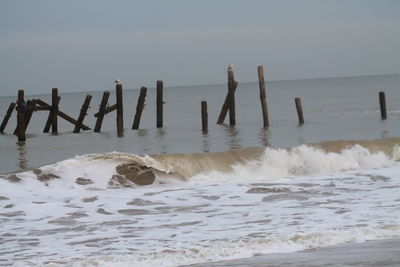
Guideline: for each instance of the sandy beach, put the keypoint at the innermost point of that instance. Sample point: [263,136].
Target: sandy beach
[372,253]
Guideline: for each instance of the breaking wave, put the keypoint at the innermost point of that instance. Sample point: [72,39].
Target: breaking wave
[252,164]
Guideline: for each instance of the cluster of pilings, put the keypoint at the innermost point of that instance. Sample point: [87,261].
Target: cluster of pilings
[26,109]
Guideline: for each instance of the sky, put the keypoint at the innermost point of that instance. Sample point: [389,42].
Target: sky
[83,45]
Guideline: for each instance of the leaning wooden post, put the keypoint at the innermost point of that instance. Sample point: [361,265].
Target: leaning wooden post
[139,108]
[204,116]
[382,103]
[225,107]
[7,117]
[299,109]
[103,106]
[54,110]
[120,110]
[82,114]
[231,91]
[160,103]
[21,116]
[263,97]
[49,118]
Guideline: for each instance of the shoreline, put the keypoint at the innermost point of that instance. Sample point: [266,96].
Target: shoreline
[385,252]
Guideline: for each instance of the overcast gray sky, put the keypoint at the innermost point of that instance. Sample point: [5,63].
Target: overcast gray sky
[81,45]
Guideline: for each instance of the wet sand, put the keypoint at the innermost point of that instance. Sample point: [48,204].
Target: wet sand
[372,253]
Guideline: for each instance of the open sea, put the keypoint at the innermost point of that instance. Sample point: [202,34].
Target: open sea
[177,196]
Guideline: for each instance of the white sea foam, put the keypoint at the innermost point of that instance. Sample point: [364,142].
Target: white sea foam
[280,201]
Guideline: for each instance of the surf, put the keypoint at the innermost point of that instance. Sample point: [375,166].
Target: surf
[114,169]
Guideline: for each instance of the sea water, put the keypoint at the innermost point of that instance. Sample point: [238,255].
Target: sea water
[230,193]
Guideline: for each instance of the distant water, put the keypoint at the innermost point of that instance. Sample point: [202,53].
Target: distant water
[70,199]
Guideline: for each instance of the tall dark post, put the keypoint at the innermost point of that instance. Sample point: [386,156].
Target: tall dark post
[299,109]
[263,97]
[204,116]
[29,108]
[382,103]
[82,114]
[139,108]
[120,110]
[54,110]
[21,116]
[160,104]
[7,117]
[231,92]
[103,106]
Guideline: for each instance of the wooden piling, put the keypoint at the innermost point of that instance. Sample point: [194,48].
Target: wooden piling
[82,114]
[139,108]
[101,113]
[120,110]
[66,117]
[50,117]
[263,97]
[7,117]
[204,116]
[299,109]
[231,91]
[160,103]
[225,107]
[29,108]
[382,103]
[54,110]
[107,110]
[21,116]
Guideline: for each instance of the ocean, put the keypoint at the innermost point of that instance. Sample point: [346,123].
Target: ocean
[177,196]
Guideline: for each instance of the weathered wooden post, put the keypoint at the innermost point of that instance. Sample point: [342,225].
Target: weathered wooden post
[44,106]
[382,103]
[29,108]
[160,103]
[21,116]
[82,114]
[231,91]
[299,109]
[7,117]
[103,106]
[120,110]
[225,107]
[204,116]
[54,110]
[50,117]
[139,108]
[263,97]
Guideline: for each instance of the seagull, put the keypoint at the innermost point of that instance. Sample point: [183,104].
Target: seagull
[117,81]
[230,68]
